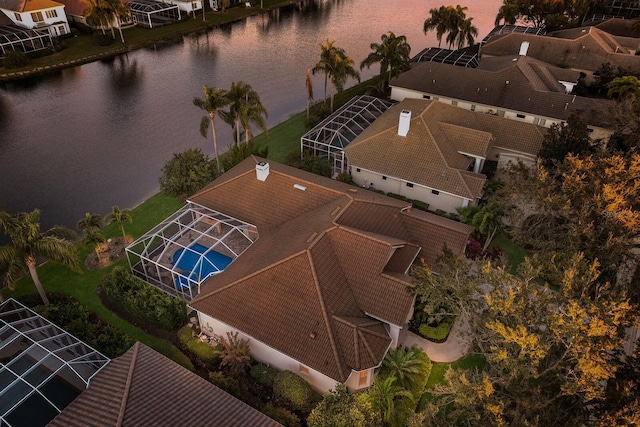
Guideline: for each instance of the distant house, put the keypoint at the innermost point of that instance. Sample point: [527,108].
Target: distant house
[582,49]
[517,87]
[144,388]
[43,15]
[433,152]
[312,271]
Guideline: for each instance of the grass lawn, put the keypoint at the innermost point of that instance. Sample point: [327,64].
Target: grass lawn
[470,361]
[82,286]
[513,253]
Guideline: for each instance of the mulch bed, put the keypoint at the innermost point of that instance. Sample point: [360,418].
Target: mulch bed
[110,252]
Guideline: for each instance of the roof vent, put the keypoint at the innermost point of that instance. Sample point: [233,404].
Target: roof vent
[262,171]
[405,120]
[299,187]
[524,47]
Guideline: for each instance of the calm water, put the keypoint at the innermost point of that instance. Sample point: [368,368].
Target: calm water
[91,137]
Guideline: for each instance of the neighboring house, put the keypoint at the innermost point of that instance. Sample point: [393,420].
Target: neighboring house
[44,15]
[516,87]
[75,10]
[189,6]
[144,388]
[582,49]
[319,280]
[433,152]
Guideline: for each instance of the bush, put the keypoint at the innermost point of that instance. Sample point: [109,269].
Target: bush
[317,165]
[15,59]
[228,384]
[263,374]
[102,39]
[143,301]
[186,173]
[345,177]
[76,319]
[439,332]
[294,390]
[201,350]
[317,113]
[418,204]
[281,415]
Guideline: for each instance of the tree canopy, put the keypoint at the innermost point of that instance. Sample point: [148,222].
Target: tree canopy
[186,172]
[452,21]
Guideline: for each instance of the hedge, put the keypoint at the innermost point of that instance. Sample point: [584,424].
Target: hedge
[437,333]
[294,391]
[143,301]
[281,415]
[201,350]
[418,204]
[263,374]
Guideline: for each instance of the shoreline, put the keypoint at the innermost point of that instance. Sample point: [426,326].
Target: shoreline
[10,76]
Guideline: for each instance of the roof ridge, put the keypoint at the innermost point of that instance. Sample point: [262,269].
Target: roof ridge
[127,387]
[368,235]
[366,344]
[323,310]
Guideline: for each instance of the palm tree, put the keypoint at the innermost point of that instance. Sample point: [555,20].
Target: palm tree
[382,397]
[28,242]
[440,21]
[96,14]
[118,9]
[214,101]
[393,54]
[327,53]
[625,86]
[407,366]
[465,34]
[309,91]
[245,107]
[95,237]
[120,216]
[487,220]
[507,12]
[342,69]
[89,222]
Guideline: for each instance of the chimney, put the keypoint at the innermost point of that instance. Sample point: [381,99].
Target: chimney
[405,120]
[262,171]
[524,47]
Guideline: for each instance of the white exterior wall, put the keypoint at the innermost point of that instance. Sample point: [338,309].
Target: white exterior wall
[444,201]
[353,382]
[57,25]
[268,355]
[398,94]
[186,6]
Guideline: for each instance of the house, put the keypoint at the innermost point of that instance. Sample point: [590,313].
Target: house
[582,49]
[144,388]
[44,15]
[434,152]
[517,87]
[316,275]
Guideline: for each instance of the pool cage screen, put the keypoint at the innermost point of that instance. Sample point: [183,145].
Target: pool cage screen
[151,14]
[21,39]
[190,246]
[327,139]
[42,367]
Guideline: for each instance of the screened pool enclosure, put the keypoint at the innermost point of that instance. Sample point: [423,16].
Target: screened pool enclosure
[42,367]
[190,246]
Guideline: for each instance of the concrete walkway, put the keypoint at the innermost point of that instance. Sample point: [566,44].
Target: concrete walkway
[456,346]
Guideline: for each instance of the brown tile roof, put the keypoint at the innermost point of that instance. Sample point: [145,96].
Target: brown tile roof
[75,7]
[430,154]
[583,48]
[144,388]
[28,5]
[479,86]
[620,27]
[307,286]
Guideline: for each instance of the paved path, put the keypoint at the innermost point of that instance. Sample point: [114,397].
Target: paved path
[456,346]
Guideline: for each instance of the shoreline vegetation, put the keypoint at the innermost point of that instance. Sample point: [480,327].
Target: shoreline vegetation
[82,49]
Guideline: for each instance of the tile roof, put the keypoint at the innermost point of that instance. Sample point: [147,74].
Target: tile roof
[430,154]
[75,7]
[583,48]
[324,267]
[516,88]
[144,388]
[28,5]
[621,27]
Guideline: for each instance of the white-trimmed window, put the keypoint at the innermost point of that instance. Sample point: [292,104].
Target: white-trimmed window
[37,16]
[363,378]
[410,184]
[52,13]
[521,116]
[454,103]
[435,192]
[500,113]
[18,16]
[473,107]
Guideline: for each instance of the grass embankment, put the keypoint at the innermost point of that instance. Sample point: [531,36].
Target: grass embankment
[82,48]
[82,286]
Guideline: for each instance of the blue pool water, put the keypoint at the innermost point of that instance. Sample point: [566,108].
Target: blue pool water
[198,262]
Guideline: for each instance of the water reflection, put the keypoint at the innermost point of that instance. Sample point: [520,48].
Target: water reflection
[126,74]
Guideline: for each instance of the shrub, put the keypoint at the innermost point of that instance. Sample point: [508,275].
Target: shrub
[294,390]
[102,39]
[228,384]
[281,415]
[201,350]
[317,165]
[143,301]
[418,204]
[186,172]
[439,332]
[76,319]
[15,59]
[263,374]
[345,177]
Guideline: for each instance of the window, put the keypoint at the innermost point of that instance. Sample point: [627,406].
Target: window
[61,30]
[435,98]
[436,192]
[520,116]
[454,103]
[304,370]
[590,130]
[36,16]
[18,17]
[52,13]
[473,107]
[500,113]
[543,122]
[384,178]
[409,184]
[363,378]
[357,169]
[426,97]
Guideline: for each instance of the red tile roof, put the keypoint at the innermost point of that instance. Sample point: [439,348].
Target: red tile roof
[324,267]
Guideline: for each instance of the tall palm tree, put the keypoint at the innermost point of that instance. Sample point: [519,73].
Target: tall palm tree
[118,10]
[309,91]
[508,12]
[440,21]
[623,87]
[465,34]
[342,69]
[214,101]
[245,108]
[327,53]
[89,222]
[95,237]
[120,216]
[28,242]
[383,395]
[393,54]
[97,14]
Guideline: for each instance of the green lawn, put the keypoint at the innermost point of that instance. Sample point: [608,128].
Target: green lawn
[513,253]
[470,361]
[82,286]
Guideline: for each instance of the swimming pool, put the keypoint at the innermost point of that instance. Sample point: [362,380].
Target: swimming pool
[199,262]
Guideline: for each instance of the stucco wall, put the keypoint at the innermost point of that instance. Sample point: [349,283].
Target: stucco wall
[61,26]
[268,355]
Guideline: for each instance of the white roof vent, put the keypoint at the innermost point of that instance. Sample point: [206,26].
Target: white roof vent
[404,123]
[524,47]
[299,187]
[262,171]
